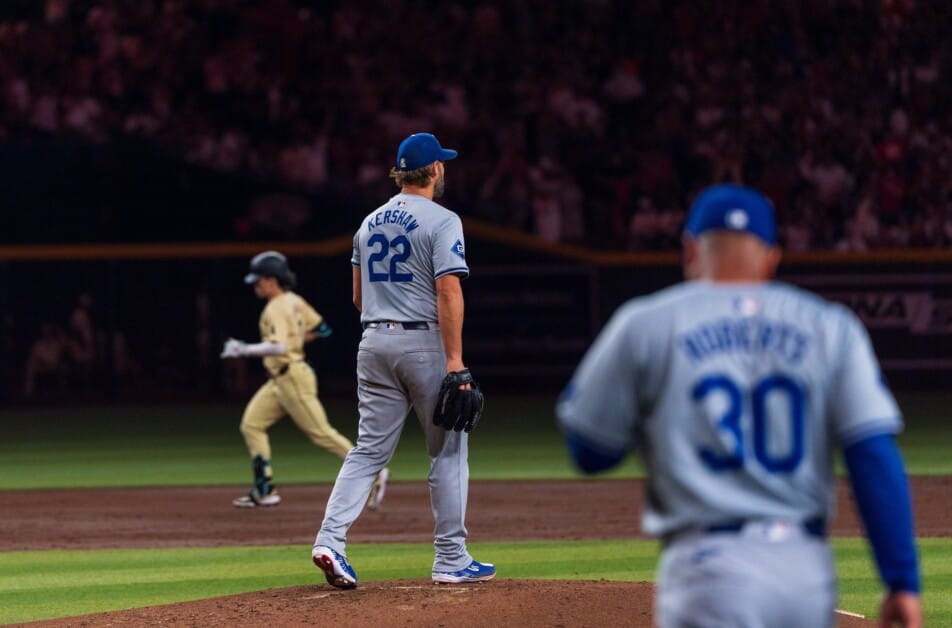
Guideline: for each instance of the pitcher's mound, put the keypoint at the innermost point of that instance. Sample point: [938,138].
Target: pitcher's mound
[411,603]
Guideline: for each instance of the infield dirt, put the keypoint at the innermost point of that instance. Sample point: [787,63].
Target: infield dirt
[498,511]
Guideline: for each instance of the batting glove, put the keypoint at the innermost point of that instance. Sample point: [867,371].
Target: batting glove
[233,349]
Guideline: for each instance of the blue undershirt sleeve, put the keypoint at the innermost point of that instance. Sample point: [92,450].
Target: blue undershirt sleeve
[878,478]
[588,457]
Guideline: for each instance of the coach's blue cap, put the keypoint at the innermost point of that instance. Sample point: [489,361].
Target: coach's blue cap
[421,149]
[729,207]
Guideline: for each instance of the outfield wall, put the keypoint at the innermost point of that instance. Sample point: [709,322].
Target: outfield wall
[532,309]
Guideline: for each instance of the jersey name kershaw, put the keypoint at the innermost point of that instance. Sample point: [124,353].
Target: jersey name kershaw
[748,335]
[399,217]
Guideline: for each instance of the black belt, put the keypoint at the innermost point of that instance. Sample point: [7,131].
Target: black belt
[408,325]
[284,369]
[813,527]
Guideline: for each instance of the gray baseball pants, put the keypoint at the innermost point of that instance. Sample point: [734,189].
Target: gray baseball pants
[755,578]
[398,369]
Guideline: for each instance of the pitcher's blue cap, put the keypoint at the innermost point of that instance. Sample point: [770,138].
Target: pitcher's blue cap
[730,207]
[421,149]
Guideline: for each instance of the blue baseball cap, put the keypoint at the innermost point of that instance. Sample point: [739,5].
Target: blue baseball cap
[421,149]
[730,207]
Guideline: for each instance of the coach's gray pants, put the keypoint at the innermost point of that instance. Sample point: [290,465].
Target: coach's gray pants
[397,369]
[747,579]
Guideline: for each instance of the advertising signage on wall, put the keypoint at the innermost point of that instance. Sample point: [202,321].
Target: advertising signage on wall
[537,320]
[526,321]
[909,316]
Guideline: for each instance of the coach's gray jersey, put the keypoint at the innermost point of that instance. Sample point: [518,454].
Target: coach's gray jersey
[763,382]
[401,248]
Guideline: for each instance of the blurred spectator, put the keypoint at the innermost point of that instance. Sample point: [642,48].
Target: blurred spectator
[46,369]
[127,369]
[81,343]
[205,362]
[644,227]
[81,328]
[504,194]
[797,235]
[831,180]
[819,102]
[947,222]
[9,372]
[556,203]
[863,229]
[624,85]
[279,215]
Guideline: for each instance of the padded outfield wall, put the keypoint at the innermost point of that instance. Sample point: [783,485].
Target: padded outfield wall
[532,308]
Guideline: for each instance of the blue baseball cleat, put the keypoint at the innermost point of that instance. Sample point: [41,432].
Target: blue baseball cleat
[336,569]
[475,572]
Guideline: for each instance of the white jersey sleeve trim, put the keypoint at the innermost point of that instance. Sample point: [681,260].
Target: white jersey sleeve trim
[862,432]
[462,270]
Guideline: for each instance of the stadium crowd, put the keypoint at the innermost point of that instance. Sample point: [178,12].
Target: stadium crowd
[588,122]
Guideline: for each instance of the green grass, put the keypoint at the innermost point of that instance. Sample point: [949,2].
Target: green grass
[927,440]
[859,588]
[200,445]
[57,583]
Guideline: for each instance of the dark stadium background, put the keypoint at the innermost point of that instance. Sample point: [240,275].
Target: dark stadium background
[584,130]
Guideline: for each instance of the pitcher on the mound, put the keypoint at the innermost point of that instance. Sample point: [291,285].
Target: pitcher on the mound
[408,260]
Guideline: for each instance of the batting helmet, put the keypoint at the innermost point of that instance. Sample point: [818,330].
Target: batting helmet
[270,264]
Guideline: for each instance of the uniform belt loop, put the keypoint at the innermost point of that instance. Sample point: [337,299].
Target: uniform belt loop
[416,325]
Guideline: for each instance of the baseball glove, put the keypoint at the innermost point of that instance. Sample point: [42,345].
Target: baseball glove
[458,409]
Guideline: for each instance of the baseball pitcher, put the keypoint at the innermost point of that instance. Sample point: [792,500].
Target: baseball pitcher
[287,322]
[736,391]
[408,259]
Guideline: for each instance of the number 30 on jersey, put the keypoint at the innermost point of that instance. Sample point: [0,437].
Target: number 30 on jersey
[763,421]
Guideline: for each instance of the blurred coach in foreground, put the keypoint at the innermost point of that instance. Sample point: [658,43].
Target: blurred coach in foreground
[736,390]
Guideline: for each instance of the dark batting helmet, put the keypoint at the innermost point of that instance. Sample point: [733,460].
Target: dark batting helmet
[270,264]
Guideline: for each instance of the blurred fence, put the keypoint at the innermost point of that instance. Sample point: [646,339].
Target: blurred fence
[146,322]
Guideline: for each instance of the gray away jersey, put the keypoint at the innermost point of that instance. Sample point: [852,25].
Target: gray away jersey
[736,396]
[401,248]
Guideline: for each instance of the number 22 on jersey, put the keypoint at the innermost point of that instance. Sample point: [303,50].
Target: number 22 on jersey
[765,417]
[377,266]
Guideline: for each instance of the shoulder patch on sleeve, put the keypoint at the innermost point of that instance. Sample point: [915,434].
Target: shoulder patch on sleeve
[458,249]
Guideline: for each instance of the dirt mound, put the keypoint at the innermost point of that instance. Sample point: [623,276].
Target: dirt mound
[410,603]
